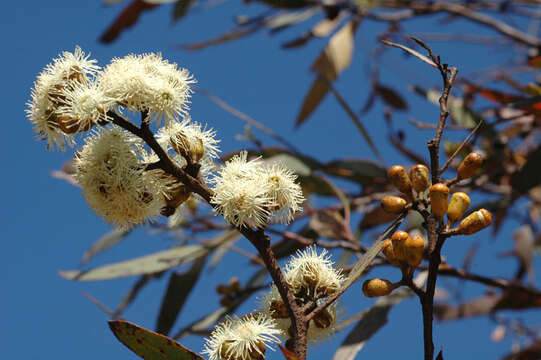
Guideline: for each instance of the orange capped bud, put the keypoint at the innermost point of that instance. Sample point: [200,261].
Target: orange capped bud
[439,198]
[469,165]
[474,222]
[400,179]
[393,204]
[419,177]
[414,250]
[377,287]
[458,206]
[398,239]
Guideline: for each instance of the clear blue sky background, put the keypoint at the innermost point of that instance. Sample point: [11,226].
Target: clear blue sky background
[47,225]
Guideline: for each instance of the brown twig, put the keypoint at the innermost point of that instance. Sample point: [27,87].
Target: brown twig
[257,237]
[460,147]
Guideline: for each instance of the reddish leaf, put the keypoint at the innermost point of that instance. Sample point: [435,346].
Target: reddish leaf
[148,344]
[494,95]
[288,354]
[127,18]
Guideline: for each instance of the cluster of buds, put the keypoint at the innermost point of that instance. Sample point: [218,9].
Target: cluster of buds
[418,180]
[229,292]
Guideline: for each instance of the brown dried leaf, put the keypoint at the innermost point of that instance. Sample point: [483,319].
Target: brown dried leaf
[334,59]
[329,224]
[126,19]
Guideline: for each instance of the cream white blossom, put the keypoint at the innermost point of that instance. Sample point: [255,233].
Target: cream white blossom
[240,193]
[313,274]
[320,328]
[48,94]
[114,181]
[148,83]
[188,138]
[243,338]
[284,192]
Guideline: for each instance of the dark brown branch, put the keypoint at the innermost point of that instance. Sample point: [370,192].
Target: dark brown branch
[257,237]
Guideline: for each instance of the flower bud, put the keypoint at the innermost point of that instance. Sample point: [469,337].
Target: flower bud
[399,249]
[419,177]
[469,165]
[439,199]
[234,284]
[458,206]
[400,179]
[324,319]
[178,196]
[222,289]
[414,250]
[377,287]
[393,204]
[278,310]
[474,222]
[387,249]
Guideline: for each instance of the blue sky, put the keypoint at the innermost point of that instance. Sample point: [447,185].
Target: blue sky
[47,225]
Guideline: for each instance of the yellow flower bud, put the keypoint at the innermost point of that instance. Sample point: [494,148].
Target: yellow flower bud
[474,222]
[469,165]
[377,287]
[400,179]
[414,250]
[439,199]
[458,206]
[393,204]
[398,239]
[419,177]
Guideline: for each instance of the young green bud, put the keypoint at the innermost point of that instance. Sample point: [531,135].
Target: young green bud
[393,204]
[377,287]
[469,165]
[439,199]
[474,222]
[400,179]
[414,250]
[458,206]
[419,177]
[399,249]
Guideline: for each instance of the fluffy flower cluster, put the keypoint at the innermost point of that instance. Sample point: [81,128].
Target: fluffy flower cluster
[148,83]
[66,100]
[242,338]
[311,277]
[250,193]
[114,181]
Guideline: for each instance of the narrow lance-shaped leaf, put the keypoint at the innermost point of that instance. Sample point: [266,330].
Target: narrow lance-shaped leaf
[178,290]
[148,264]
[371,320]
[181,8]
[105,242]
[150,345]
[334,59]
[126,19]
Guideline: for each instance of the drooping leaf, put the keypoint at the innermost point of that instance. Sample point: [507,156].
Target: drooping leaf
[334,59]
[391,97]
[370,321]
[178,290]
[291,162]
[150,345]
[148,264]
[126,19]
[329,224]
[134,291]
[411,52]
[233,34]
[181,8]
[217,255]
[288,355]
[361,171]
[529,175]
[524,241]
[371,253]
[105,242]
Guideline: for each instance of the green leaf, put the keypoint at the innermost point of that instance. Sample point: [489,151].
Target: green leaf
[371,253]
[150,345]
[529,175]
[108,240]
[181,8]
[148,264]
[370,321]
[291,162]
[180,286]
